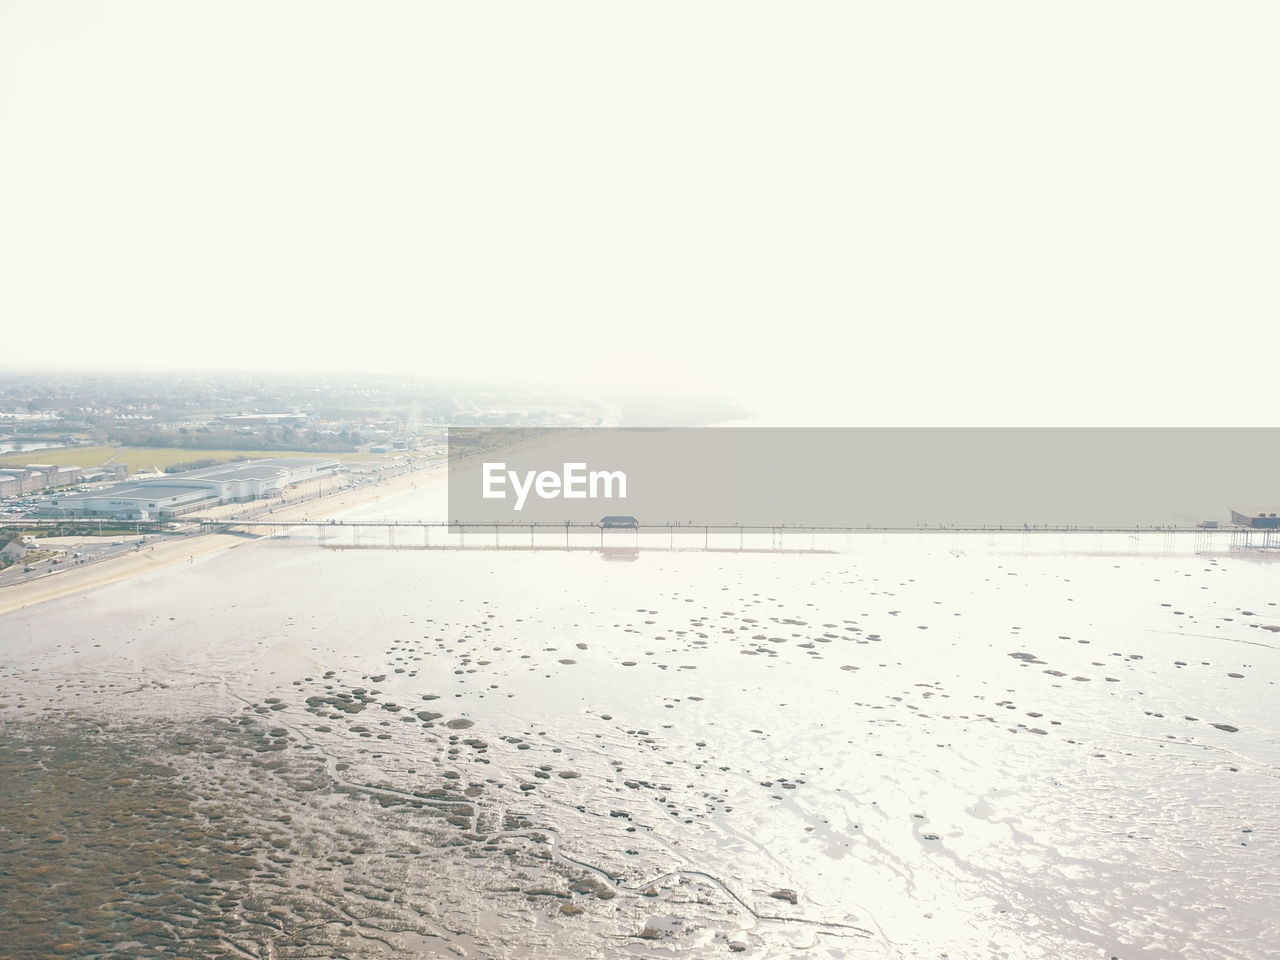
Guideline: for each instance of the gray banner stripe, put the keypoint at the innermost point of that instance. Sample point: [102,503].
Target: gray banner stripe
[1120,477]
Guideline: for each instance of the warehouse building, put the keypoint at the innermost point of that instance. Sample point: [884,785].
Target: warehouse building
[255,479]
[174,494]
[136,501]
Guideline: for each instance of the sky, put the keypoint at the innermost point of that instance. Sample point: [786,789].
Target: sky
[994,213]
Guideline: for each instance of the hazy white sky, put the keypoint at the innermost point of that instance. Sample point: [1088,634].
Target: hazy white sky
[845,212]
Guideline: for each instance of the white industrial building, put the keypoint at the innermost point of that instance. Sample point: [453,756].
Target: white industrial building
[137,501]
[177,493]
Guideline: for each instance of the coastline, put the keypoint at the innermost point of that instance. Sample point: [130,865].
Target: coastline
[75,580]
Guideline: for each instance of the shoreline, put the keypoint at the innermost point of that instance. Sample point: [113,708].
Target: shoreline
[102,573]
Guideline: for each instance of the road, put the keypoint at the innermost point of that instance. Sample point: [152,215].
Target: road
[162,552]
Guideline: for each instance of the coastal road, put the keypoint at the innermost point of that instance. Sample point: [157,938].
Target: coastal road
[71,580]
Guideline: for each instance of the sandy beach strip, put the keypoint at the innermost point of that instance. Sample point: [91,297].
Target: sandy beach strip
[74,580]
[113,570]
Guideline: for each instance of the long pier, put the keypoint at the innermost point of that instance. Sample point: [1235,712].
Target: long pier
[444,534]
[582,526]
[621,542]
[462,526]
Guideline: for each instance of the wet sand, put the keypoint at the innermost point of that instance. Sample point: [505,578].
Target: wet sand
[77,580]
[74,580]
[902,751]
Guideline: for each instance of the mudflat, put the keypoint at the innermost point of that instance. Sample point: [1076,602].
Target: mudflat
[977,746]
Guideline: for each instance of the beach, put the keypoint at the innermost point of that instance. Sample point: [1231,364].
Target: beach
[192,546]
[905,747]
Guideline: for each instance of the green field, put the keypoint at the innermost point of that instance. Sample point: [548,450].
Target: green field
[159,458]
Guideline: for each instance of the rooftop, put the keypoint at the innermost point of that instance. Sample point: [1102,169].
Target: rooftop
[141,491]
[253,469]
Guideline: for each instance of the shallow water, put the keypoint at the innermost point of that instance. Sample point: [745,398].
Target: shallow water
[21,446]
[919,746]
